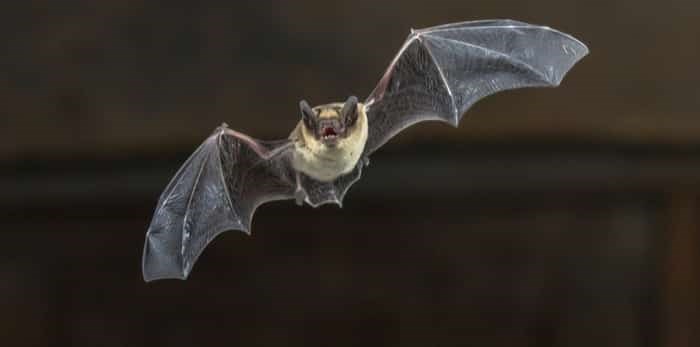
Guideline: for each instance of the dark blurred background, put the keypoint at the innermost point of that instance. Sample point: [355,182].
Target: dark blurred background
[551,217]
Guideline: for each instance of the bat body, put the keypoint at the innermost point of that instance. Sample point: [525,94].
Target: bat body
[438,74]
[320,161]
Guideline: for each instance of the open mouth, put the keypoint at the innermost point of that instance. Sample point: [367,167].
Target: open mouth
[329,133]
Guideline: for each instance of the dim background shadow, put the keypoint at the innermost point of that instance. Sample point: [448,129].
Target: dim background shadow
[550,217]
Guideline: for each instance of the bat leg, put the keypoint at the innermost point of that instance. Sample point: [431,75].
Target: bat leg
[299,193]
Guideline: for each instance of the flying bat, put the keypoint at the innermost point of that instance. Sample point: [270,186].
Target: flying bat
[438,74]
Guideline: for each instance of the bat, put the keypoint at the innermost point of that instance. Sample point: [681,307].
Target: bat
[438,74]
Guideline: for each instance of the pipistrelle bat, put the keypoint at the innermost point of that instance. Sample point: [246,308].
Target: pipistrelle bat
[438,74]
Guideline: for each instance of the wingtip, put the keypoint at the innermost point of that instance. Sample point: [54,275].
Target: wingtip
[157,266]
[151,276]
[148,279]
[578,54]
[586,50]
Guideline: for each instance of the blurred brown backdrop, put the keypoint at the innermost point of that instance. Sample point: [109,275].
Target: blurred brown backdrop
[551,217]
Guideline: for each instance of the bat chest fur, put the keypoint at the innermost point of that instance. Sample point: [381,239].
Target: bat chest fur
[326,165]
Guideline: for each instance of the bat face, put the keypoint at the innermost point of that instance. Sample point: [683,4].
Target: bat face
[330,123]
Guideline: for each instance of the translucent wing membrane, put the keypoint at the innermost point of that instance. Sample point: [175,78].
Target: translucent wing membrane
[440,72]
[320,193]
[217,189]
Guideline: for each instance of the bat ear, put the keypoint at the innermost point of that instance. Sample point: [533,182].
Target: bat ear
[307,114]
[349,111]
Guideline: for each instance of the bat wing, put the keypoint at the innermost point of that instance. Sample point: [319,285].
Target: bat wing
[440,72]
[217,189]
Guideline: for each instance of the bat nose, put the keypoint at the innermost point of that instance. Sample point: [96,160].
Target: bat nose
[329,123]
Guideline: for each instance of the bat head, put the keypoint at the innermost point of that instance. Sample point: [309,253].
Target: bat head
[330,123]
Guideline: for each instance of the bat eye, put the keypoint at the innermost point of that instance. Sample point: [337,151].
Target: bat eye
[307,114]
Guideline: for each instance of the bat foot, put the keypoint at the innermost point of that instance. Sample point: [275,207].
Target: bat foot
[365,161]
[299,196]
